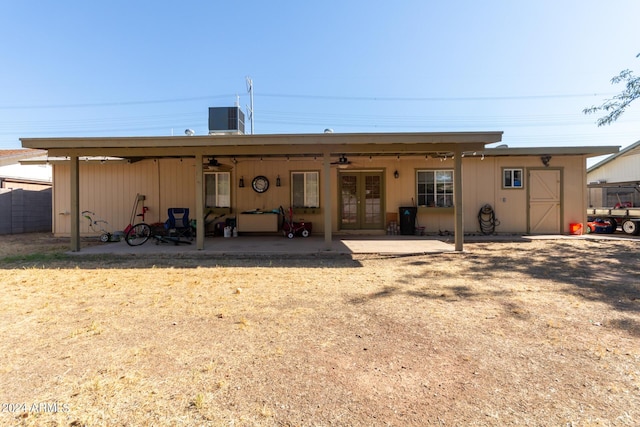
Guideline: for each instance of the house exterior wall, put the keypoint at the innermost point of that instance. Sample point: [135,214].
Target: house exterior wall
[574,190]
[482,184]
[110,189]
[245,199]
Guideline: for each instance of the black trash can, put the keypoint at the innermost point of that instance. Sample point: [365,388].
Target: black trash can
[408,220]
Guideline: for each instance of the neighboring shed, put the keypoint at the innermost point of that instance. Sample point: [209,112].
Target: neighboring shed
[25,192]
[616,179]
[16,171]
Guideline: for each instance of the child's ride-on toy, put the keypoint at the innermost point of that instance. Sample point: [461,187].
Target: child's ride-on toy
[291,228]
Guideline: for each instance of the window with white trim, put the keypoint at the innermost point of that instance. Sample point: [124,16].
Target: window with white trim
[305,189]
[217,187]
[512,178]
[435,188]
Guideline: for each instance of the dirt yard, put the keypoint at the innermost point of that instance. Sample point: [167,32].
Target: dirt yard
[545,333]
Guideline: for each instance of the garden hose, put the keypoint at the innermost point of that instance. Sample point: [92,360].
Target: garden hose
[487,219]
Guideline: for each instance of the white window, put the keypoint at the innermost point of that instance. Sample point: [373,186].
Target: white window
[435,188]
[305,189]
[512,178]
[217,187]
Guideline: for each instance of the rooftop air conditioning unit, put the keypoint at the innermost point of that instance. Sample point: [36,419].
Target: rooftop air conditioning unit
[226,120]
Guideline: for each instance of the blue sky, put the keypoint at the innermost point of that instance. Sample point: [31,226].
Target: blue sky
[80,68]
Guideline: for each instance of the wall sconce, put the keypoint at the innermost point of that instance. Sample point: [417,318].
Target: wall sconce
[241,183]
[396,175]
[278,182]
[545,160]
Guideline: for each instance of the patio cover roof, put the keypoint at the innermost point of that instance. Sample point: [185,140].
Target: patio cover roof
[322,145]
[266,144]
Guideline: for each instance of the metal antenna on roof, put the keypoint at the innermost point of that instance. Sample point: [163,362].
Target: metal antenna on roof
[250,108]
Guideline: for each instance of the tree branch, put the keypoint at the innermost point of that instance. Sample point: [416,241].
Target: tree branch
[615,106]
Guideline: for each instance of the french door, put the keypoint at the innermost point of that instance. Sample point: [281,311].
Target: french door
[361,200]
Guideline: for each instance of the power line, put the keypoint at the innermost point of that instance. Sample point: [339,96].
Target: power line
[527,120]
[299,118]
[111,104]
[164,123]
[307,96]
[433,99]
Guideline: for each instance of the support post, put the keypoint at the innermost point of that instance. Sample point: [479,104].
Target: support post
[74,186]
[457,194]
[199,204]
[328,208]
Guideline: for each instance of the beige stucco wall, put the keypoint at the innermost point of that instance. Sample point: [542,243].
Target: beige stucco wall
[575,190]
[483,184]
[110,189]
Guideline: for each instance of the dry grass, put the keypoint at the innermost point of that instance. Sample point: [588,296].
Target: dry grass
[541,333]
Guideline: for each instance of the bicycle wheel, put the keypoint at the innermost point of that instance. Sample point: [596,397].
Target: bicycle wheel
[138,234]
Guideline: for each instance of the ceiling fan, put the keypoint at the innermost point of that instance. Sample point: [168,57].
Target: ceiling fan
[214,165]
[342,161]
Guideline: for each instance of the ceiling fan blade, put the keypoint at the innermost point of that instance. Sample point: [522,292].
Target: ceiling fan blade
[217,168]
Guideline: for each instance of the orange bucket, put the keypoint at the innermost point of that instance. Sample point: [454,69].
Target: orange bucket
[575,229]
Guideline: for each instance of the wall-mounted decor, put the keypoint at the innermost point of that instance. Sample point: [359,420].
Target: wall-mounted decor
[260,184]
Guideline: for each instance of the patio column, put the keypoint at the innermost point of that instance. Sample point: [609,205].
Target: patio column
[326,171]
[457,194]
[74,186]
[199,217]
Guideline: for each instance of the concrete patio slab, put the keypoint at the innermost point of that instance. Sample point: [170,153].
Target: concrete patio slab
[315,245]
[272,245]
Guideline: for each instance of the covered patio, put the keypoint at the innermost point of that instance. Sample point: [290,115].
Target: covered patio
[326,146]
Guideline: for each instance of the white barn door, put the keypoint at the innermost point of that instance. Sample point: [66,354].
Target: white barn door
[544,201]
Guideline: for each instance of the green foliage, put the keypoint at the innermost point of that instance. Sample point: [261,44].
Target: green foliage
[32,259]
[615,106]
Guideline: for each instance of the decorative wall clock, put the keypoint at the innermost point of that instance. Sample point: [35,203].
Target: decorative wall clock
[260,184]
